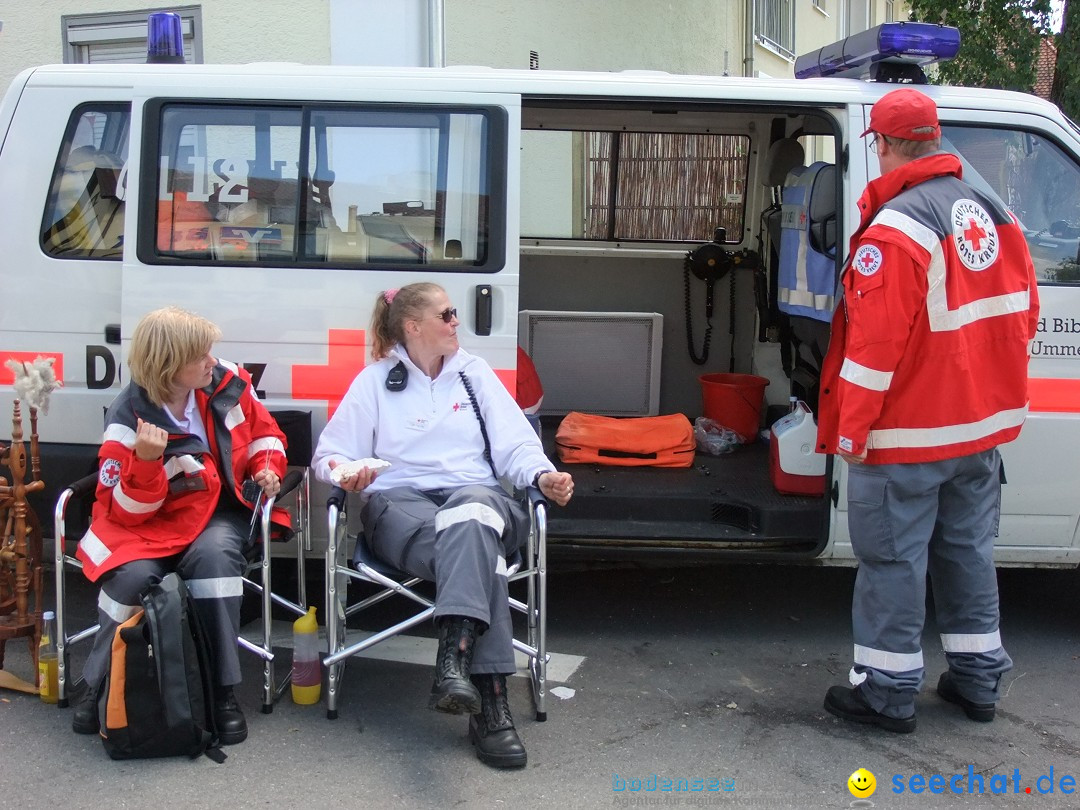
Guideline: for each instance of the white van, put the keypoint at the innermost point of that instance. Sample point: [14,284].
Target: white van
[564,212]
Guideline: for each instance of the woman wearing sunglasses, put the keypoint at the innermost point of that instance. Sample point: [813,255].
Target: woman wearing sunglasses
[449,430]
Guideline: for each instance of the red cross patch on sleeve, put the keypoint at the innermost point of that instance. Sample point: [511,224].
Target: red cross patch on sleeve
[110,472]
[868,260]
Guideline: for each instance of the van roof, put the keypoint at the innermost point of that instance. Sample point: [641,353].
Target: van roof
[289,81]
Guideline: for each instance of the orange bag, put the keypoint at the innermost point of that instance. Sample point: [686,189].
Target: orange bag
[647,441]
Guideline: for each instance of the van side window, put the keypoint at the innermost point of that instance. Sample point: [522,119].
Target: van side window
[673,187]
[84,215]
[299,184]
[1038,182]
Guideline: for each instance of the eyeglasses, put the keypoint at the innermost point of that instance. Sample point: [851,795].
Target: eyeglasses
[873,143]
[447,314]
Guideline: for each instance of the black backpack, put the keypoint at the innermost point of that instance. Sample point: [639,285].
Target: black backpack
[158,696]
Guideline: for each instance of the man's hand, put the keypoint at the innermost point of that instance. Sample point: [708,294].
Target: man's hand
[850,458]
[150,441]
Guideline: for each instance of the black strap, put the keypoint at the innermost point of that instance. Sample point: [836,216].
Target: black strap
[479,418]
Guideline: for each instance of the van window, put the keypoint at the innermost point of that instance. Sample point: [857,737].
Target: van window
[346,186]
[84,214]
[1037,181]
[672,187]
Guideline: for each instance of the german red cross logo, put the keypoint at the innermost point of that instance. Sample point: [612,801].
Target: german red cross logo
[867,260]
[110,472]
[974,235]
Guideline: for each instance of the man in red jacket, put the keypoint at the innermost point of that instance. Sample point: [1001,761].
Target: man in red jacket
[925,376]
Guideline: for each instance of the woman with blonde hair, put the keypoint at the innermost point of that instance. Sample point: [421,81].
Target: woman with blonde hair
[449,430]
[180,440]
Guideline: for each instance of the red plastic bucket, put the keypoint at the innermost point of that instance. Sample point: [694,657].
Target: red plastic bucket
[734,400]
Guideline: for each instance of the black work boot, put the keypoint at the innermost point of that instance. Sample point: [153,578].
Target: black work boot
[492,730]
[979,712]
[849,704]
[86,719]
[230,722]
[452,691]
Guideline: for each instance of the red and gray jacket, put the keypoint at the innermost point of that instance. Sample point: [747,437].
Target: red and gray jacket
[929,352]
[150,509]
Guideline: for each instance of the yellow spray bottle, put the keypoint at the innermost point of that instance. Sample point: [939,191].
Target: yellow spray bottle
[306,667]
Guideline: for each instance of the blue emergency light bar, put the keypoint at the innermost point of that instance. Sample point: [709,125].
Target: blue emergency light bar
[889,51]
[164,39]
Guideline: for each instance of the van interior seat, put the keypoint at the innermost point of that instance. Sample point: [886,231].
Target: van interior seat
[784,156]
[810,333]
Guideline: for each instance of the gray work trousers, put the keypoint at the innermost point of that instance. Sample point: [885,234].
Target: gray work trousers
[906,520]
[460,539]
[211,567]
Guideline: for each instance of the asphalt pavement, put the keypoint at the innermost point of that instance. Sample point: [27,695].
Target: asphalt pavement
[706,681]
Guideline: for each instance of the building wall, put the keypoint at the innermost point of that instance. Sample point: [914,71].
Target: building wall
[678,36]
[234,31]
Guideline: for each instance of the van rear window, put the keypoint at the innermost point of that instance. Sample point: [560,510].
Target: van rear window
[334,185]
[84,215]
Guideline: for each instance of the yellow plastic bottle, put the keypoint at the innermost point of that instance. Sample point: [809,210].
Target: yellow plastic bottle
[306,666]
[48,662]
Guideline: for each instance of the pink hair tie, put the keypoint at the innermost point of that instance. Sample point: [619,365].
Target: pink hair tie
[388,296]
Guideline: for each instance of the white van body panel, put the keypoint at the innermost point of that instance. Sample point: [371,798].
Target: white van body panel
[287,320]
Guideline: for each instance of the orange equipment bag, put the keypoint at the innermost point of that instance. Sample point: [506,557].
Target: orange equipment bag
[647,441]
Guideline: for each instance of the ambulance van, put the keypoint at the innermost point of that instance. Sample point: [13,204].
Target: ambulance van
[630,231]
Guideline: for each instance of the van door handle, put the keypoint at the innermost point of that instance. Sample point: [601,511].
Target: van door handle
[483,309]
[112,334]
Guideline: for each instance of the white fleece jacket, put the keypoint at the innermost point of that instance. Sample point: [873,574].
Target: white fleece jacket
[428,432]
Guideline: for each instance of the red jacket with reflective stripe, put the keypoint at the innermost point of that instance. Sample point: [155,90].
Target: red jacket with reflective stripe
[151,509]
[928,356]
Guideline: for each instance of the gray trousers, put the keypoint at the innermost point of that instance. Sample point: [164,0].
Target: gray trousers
[212,567]
[459,539]
[906,520]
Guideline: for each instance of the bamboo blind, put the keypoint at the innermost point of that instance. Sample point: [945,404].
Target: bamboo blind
[671,187]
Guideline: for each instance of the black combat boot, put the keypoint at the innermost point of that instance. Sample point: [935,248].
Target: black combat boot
[86,720]
[491,730]
[452,691]
[230,722]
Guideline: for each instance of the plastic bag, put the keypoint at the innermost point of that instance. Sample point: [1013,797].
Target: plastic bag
[713,438]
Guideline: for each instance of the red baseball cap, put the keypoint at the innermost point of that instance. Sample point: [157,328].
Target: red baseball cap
[901,113]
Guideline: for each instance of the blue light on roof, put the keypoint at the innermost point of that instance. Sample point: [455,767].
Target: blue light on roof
[862,55]
[164,38]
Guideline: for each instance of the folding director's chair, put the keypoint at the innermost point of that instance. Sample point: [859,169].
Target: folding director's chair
[532,567]
[296,481]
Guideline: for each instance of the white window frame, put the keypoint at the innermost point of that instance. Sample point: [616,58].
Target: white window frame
[82,33]
[774,26]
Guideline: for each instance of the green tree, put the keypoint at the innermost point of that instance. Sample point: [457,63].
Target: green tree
[999,40]
[1066,89]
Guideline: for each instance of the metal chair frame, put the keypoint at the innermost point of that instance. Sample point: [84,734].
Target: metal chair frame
[533,569]
[298,480]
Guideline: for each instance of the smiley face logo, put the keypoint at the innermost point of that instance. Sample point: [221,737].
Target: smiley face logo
[862,784]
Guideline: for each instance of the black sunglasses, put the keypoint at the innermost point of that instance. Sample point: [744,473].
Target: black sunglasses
[447,314]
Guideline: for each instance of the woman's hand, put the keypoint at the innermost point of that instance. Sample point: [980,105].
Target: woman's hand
[557,486]
[268,480]
[355,482]
[150,441]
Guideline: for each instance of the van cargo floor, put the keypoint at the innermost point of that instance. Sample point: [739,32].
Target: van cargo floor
[721,502]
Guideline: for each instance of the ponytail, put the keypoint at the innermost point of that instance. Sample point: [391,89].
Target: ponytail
[392,309]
